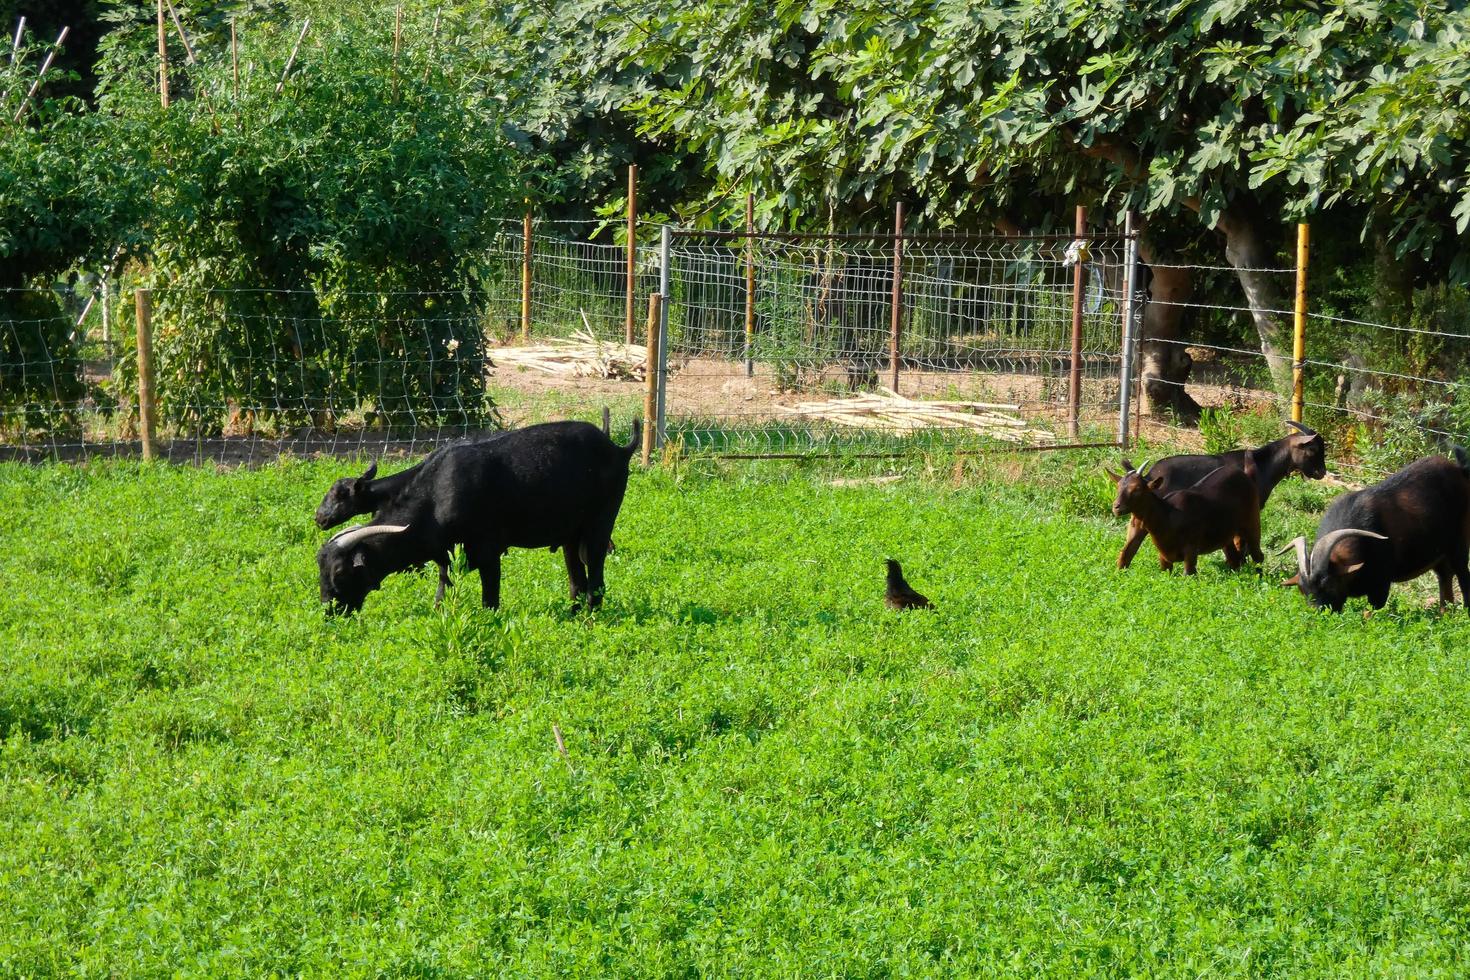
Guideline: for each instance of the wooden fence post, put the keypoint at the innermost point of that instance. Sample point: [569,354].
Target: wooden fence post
[1074,381]
[650,372]
[1299,341]
[749,284]
[526,277]
[895,326]
[147,406]
[632,250]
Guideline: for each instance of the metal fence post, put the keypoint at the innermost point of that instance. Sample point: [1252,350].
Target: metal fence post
[1074,380]
[749,284]
[1130,279]
[632,247]
[895,327]
[665,243]
[1299,340]
[650,380]
[526,276]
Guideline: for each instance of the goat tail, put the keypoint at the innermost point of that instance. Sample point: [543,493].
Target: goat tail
[1462,458]
[635,439]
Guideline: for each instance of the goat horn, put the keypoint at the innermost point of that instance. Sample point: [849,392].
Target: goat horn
[344,538]
[1300,428]
[1303,563]
[1323,548]
[1142,470]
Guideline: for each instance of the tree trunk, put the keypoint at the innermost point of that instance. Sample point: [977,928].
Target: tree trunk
[1247,250]
[1165,364]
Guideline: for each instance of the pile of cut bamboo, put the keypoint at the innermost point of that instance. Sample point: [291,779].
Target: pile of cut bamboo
[889,410]
[581,356]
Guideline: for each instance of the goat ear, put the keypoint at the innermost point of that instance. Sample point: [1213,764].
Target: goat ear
[1294,580]
[1116,478]
[1127,465]
[359,560]
[1156,484]
[1352,568]
[370,472]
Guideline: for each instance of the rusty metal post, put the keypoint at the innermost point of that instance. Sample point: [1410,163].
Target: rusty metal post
[526,276]
[650,376]
[147,404]
[895,327]
[749,284]
[1299,341]
[1074,381]
[632,250]
[162,59]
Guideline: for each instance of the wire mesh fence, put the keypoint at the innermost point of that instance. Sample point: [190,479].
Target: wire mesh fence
[1383,394]
[775,345]
[244,375]
[801,343]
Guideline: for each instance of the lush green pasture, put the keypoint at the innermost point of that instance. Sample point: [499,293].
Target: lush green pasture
[1065,769]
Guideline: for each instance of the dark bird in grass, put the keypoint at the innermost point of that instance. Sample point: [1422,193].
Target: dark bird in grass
[899,594]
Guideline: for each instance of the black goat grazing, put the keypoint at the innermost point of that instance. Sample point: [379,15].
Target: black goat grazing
[1414,521]
[899,594]
[1301,452]
[555,484]
[1221,512]
[354,495]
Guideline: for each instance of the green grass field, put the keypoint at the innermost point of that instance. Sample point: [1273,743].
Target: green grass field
[1066,769]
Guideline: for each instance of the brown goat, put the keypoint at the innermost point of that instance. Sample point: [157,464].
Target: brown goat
[1221,512]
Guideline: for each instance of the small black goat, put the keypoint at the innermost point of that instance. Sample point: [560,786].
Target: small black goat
[350,496]
[1220,512]
[1414,521]
[559,484]
[1301,452]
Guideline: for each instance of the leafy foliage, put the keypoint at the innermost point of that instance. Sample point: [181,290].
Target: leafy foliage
[335,221]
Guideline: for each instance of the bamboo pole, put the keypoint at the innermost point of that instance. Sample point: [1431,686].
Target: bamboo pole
[20,29]
[281,85]
[749,284]
[632,249]
[433,44]
[1074,380]
[1299,340]
[147,407]
[397,42]
[650,376]
[526,276]
[162,59]
[235,58]
[188,48]
[41,75]
[895,325]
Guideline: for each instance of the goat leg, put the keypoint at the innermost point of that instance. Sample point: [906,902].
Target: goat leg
[1446,587]
[576,572]
[1136,533]
[490,580]
[444,581]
